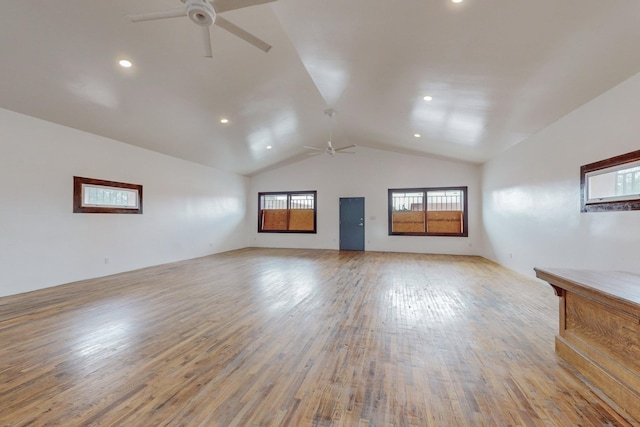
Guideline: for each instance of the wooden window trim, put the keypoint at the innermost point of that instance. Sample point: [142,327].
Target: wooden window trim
[77,196]
[608,206]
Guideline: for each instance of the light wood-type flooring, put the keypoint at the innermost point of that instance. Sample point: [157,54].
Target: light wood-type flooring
[278,337]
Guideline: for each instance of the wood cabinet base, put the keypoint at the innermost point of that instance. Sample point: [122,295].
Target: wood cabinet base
[599,332]
[609,388]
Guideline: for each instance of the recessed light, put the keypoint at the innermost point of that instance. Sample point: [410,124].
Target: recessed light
[417,135]
[269,147]
[456,1]
[125,63]
[427,98]
[224,121]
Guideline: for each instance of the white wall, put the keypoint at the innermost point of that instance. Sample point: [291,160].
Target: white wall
[369,173]
[525,213]
[189,210]
[531,193]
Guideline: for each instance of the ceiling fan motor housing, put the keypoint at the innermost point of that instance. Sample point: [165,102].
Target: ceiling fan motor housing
[201,12]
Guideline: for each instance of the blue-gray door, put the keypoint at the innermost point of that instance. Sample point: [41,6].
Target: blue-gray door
[352,224]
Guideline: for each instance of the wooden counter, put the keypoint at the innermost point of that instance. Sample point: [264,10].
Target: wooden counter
[599,331]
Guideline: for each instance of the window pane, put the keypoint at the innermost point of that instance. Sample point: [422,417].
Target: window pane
[408,201]
[301,220]
[274,219]
[302,201]
[450,200]
[408,222]
[103,196]
[613,184]
[274,201]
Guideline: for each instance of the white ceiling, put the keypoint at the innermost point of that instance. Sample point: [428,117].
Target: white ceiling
[498,71]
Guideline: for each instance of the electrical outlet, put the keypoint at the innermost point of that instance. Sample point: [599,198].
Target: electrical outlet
[106,260]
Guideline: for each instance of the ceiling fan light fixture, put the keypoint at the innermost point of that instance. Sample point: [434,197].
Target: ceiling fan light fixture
[201,12]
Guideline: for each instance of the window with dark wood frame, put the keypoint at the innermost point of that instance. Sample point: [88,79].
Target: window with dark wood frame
[611,185]
[100,196]
[287,212]
[432,211]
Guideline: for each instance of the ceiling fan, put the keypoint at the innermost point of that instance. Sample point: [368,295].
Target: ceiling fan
[205,14]
[329,150]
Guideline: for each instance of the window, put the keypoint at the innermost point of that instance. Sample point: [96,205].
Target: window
[100,196]
[612,184]
[428,211]
[287,212]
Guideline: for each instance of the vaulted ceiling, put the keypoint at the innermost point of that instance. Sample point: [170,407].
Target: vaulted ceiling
[497,71]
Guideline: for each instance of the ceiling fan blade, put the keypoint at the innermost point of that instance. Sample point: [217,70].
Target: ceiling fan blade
[237,31]
[226,5]
[163,14]
[206,40]
[345,148]
[345,152]
[314,148]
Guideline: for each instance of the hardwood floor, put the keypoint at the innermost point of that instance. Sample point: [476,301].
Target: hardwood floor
[268,337]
